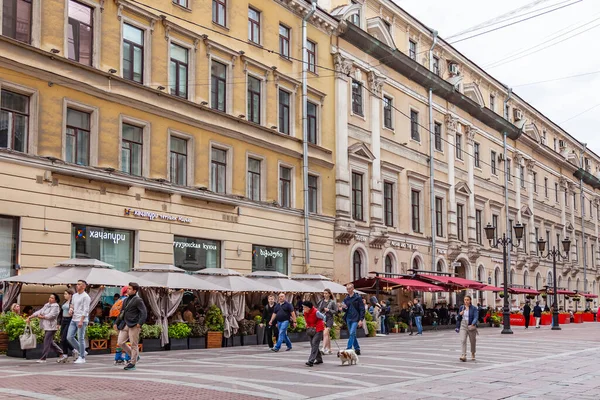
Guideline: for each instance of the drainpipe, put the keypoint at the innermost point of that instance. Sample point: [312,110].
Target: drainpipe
[508,227]
[431,158]
[305,136]
[581,207]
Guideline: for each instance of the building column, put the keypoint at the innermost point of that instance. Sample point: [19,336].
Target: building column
[530,164]
[572,210]
[518,159]
[451,126]
[375,85]
[471,234]
[594,257]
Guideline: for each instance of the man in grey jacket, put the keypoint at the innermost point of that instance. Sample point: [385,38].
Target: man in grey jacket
[132,317]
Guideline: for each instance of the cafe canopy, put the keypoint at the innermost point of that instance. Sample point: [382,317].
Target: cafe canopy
[280,281]
[517,290]
[451,282]
[489,288]
[319,283]
[172,277]
[589,295]
[387,283]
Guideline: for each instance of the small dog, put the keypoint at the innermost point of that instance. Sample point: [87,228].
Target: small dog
[348,356]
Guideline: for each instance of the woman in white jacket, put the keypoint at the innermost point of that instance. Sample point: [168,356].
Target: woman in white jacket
[48,323]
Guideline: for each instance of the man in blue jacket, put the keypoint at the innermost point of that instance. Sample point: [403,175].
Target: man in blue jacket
[355,314]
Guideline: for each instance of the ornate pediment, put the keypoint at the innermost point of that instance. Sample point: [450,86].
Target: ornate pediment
[569,227]
[462,188]
[361,150]
[526,211]
[377,28]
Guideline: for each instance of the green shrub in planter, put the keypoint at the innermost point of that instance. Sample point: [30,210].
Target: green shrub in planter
[392,321]
[98,331]
[179,330]
[197,329]
[150,331]
[403,325]
[300,325]
[214,319]
[339,321]
[246,327]
[14,326]
[368,317]
[372,328]
[258,320]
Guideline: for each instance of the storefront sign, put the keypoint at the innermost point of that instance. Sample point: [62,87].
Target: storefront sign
[195,254]
[204,246]
[266,258]
[270,253]
[151,215]
[403,245]
[115,237]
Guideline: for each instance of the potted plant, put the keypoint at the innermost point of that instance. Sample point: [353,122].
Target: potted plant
[178,336]
[372,328]
[98,335]
[197,339]
[339,325]
[260,330]
[360,332]
[214,325]
[14,326]
[150,335]
[248,332]
[3,334]
[501,294]
[403,327]
[544,295]
[495,320]
[298,334]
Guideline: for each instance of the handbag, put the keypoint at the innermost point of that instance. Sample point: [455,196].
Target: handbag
[28,339]
[311,331]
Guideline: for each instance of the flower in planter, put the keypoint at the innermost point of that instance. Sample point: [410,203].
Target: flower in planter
[214,319]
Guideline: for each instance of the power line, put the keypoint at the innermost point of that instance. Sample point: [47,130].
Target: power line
[557,79]
[581,113]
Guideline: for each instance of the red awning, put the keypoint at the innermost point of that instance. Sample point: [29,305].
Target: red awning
[589,295]
[491,289]
[559,291]
[413,284]
[523,291]
[452,281]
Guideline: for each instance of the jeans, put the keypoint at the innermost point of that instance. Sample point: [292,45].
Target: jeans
[419,325]
[352,342]
[315,354]
[131,334]
[283,327]
[78,344]
[64,330]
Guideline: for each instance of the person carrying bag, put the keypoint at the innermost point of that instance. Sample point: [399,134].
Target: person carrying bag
[28,339]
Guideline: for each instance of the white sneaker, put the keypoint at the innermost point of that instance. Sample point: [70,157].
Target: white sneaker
[62,358]
[41,361]
[80,361]
[75,354]
[86,353]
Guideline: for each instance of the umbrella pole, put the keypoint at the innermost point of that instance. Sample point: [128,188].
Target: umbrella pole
[377,285]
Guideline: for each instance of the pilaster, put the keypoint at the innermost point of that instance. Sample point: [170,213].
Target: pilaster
[375,85]
[451,126]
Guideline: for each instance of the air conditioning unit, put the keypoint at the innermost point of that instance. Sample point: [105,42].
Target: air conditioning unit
[518,114]
[453,69]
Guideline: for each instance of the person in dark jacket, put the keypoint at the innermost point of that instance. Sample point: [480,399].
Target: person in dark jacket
[537,314]
[355,314]
[130,321]
[527,314]
[466,325]
[271,330]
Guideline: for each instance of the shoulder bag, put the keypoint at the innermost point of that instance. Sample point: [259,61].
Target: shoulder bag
[28,339]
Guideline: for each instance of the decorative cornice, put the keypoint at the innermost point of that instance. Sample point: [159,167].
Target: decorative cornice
[451,123]
[342,66]
[375,83]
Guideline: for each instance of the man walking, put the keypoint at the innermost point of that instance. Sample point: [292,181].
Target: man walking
[79,311]
[129,322]
[355,313]
[526,314]
[537,314]
[418,312]
[267,314]
[283,313]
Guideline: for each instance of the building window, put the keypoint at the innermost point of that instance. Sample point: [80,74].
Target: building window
[311,50]
[416,210]
[133,53]
[218,170]
[556,192]
[460,222]
[574,201]
[437,132]
[284,112]
[357,196]
[178,74]
[458,147]
[389,264]
[493,162]
[219,12]
[508,173]
[285,186]
[388,203]
[566,198]
[132,149]
[576,250]
[284,41]
[313,193]
[254,93]
[78,137]
[357,265]
[218,86]
[522,175]
[546,187]
[387,112]
[357,102]
[182,3]
[555,144]
[478,214]
[436,65]
[311,115]
[476,154]
[593,257]
[439,216]
[80,33]
[412,49]
[253,25]
[193,254]
[16,20]
[267,258]
[495,225]
[178,161]
[537,251]
[14,121]
[548,240]
[113,246]
[254,167]
[535,182]
[9,245]
[492,102]
[414,126]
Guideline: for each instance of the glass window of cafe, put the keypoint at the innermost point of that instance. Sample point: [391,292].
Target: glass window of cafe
[266,258]
[113,246]
[194,254]
[9,241]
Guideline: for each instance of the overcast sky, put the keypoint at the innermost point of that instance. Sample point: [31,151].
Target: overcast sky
[559,100]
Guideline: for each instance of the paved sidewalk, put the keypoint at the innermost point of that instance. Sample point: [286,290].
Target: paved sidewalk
[531,364]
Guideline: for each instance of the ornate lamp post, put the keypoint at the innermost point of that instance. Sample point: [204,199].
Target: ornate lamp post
[504,242]
[554,254]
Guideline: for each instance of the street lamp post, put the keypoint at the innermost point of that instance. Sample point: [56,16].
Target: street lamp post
[554,253]
[504,242]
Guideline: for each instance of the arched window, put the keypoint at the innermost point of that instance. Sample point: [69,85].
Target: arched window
[440,266]
[550,280]
[559,283]
[586,286]
[512,276]
[357,265]
[389,264]
[416,263]
[569,283]
[578,285]
[497,277]
[525,278]
[538,281]
[480,274]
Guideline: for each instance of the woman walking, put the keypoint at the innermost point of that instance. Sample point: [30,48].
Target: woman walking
[466,325]
[65,321]
[328,307]
[48,315]
[314,329]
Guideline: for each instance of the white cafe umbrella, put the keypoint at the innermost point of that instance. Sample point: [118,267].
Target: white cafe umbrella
[171,277]
[233,281]
[282,282]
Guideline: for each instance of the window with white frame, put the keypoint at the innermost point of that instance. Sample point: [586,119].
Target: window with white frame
[253,25]
[284,111]
[357,98]
[284,41]
[178,160]
[14,120]
[412,49]
[387,112]
[476,154]
[219,12]
[78,137]
[182,3]
[388,203]
[458,146]
[218,86]
[415,201]
[437,131]
[493,163]
[17,20]
[254,178]
[80,32]
[357,196]
[132,145]
[311,115]
[414,126]
[436,65]
[133,53]
[313,193]
[439,216]
[311,50]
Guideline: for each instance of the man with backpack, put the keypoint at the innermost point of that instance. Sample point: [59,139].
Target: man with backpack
[355,314]
[418,313]
[129,323]
[115,310]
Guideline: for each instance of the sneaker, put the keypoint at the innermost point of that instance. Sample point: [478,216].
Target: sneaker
[329,352]
[80,361]
[119,362]
[86,353]
[274,349]
[463,359]
[62,359]
[41,361]
[75,354]
[357,352]
[310,364]
[419,334]
[318,362]
[410,334]
[129,367]
[288,349]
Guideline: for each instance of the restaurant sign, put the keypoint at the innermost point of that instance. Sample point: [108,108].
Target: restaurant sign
[403,245]
[151,215]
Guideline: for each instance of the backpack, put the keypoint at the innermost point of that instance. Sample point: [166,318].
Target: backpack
[115,310]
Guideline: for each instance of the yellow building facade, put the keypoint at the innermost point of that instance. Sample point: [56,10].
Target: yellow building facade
[164,132]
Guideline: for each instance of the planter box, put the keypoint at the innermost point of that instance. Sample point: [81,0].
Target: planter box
[197,343]
[578,318]
[546,320]
[99,346]
[232,341]
[588,317]
[14,349]
[113,343]
[249,340]
[296,337]
[214,340]
[564,319]
[517,320]
[150,345]
[3,342]
[360,333]
[394,330]
[260,334]
[178,344]
[36,354]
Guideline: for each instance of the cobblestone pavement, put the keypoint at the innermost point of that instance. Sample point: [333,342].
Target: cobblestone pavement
[531,364]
